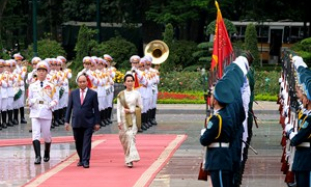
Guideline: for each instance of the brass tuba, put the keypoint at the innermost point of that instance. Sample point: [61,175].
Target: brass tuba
[158,50]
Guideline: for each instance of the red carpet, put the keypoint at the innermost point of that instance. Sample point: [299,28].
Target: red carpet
[107,164]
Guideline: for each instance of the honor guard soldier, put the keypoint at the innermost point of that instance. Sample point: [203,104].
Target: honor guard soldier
[67,74]
[3,86]
[300,136]
[101,91]
[11,83]
[21,71]
[153,74]
[217,137]
[42,98]
[139,80]
[32,76]
[111,72]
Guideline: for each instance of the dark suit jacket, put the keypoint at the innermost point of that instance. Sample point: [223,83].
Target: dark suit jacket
[85,115]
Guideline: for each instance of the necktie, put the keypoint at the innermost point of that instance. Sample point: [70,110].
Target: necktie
[82,96]
[41,84]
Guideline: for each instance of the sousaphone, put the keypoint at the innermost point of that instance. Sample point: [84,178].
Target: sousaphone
[158,50]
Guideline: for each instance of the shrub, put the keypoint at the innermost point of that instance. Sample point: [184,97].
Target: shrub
[303,48]
[46,49]
[251,43]
[181,54]
[180,82]
[119,48]
[84,45]
[267,82]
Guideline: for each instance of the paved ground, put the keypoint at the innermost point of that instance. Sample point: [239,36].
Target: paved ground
[16,163]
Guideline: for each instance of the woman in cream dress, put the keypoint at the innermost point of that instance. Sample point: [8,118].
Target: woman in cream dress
[127,102]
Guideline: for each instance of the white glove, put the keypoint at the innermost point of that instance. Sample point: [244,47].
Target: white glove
[52,105]
[292,135]
[32,101]
[202,131]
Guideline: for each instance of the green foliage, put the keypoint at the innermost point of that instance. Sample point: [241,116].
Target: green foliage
[46,49]
[168,39]
[229,25]
[303,48]
[181,54]
[267,82]
[4,55]
[85,43]
[175,12]
[251,43]
[204,54]
[119,48]
[266,97]
[180,81]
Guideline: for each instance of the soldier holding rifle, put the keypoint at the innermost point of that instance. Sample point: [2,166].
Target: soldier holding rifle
[299,133]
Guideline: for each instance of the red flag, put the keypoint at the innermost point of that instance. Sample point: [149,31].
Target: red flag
[222,48]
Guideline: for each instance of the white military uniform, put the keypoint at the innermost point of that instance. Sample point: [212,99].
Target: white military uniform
[42,98]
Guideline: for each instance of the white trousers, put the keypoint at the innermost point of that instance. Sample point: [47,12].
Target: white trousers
[41,125]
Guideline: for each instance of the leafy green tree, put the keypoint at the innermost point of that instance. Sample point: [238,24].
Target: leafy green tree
[251,43]
[46,49]
[303,48]
[203,54]
[85,43]
[119,48]
[229,25]
[168,37]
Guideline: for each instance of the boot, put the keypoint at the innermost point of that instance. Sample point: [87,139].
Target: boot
[46,157]
[10,123]
[143,122]
[102,118]
[109,115]
[15,119]
[106,114]
[37,148]
[59,116]
[153,116]
[55,114]
[64,114]
[22,112]
[52,125]
[4,124]
[149,118]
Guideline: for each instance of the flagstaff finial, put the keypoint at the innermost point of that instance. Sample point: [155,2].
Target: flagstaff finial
[217,6]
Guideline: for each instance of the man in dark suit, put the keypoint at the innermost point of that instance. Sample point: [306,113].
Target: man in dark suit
[83,104]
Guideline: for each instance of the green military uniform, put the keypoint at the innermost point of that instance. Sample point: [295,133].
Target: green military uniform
[217,137]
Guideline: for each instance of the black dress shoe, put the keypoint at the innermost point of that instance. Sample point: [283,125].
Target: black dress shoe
[79,164]
[86,165]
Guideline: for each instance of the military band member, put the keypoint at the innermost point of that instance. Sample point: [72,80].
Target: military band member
[67,74]
[42,98]
[11,81]
[101,91]
[3,85]
[111,72]
[21,71]
[218,136]
[154,75]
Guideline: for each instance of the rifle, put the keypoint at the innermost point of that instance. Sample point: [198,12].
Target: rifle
[290,74]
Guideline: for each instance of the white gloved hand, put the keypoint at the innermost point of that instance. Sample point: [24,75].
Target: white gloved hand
[292,135]
[32,102]
[202,131]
